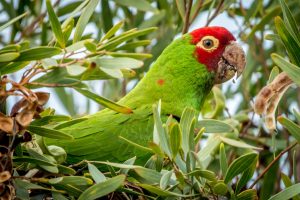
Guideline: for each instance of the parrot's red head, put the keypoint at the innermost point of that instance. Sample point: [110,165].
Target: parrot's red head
[217,50]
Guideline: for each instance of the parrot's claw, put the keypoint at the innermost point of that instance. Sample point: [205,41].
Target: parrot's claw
[232,62]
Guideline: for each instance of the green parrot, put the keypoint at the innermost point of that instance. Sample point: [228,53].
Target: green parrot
[182,76]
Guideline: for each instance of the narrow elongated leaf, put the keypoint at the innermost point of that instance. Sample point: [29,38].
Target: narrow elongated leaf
[72,180]
[287,193]
[101,189]
[104,102]
[292,46]
[175,139]
[117,63]
[127,162]
[50,133]
[125,37]
[142,5]
[290,21]
[12,67]
[247,195]
[237,143]
[209,175]
[37,161]
[214,126]
[10,56]
[161,192]
[159,132]
[96,174]
[240,165]
[12,21]
[84,19]
[246,176]
[55,25]
[165,179]
[223,159]
[38,53]
[73,13]
[293,128]
[112,31]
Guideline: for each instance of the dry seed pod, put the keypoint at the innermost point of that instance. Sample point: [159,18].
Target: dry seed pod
[43,97]
[273,104]
[6,123]
[25,117]
[4,176]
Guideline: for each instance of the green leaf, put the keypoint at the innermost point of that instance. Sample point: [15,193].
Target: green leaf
[223,159]
[84,19]
[55,25]
[165,179]
[78,45]
[209,175]
[90,46]
[73,13]
[50,133]
[96,174]
[142,5]
[117,63]
[10,56]
[175,139]
[293,128]
[240,165]
[112,31]
[286,180]
[275,71]
[247,195]
[33,153]
[287,193]
[101,189]
[161,192]
[104,102]
[12,21]
[289,20]
[50,119]
[71,180]
[292,70]
[12,67]
[237,143]
[160,135]
[130,161]
[38,53]
[66,170]
[186,120]
[214,126]
[26,159]
[246,176]
[125,37]
[292,46]
[220,188]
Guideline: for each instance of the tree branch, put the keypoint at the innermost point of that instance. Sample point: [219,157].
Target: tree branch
[272,163]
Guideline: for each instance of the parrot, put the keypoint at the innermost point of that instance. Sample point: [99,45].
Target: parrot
[182,76]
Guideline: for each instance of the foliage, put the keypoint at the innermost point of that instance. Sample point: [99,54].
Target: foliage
[226,154]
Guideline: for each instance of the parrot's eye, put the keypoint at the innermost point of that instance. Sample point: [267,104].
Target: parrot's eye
[208,43]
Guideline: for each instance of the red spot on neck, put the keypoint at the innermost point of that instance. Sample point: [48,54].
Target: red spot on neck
[211,59]
[160,82]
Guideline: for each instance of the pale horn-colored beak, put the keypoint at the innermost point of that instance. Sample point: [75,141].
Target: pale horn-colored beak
[232,62]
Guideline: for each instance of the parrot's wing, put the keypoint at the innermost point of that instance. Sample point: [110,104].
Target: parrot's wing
[97,137]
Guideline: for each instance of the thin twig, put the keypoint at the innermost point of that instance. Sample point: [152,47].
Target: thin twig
[187,17]
[199,6]
[272,163]
[215,13]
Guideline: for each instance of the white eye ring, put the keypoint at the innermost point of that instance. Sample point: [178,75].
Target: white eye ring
[208,43]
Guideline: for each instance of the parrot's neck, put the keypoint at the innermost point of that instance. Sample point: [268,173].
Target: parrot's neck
[177,78]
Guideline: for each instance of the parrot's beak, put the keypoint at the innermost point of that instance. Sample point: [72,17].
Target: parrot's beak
[232,62]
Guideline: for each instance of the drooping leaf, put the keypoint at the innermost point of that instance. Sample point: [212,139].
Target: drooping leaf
[103,188]
[84,19]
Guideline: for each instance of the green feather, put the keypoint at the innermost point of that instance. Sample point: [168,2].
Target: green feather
[186,83]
